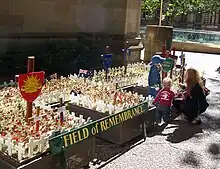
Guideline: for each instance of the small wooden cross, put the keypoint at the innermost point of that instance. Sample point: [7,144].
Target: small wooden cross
[21,151]
[37,118]
[42,143]
[61,111]
[9,143]
[31,145]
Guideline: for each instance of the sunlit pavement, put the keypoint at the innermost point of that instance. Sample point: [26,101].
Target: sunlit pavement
[181,145]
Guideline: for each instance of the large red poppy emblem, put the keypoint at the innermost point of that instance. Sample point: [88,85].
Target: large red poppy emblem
[30,85]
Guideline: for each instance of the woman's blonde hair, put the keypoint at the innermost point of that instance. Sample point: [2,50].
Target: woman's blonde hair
[193,78]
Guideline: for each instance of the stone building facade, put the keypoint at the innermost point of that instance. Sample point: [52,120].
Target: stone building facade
[87,16]
[88,24]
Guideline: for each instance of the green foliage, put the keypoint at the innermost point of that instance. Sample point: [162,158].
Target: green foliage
[150,6]
[209,5]
[178,7]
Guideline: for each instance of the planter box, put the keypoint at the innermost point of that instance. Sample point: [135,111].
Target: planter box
[122,133]
[77,156]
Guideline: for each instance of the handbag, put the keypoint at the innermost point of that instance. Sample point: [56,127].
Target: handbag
[202,103]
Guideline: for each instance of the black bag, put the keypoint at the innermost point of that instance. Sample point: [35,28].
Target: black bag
[203,105]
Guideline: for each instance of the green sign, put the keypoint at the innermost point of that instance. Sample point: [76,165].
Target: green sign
[67,139]
[167,64]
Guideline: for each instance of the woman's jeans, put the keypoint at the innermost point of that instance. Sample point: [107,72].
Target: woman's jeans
[163,112]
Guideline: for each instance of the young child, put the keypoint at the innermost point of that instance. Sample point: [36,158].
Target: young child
[163,101]
[154,73]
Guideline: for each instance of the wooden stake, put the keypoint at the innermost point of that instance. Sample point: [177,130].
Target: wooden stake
[106,70]
[30,68]
[61,113]
[165,55]
[161,12]
[16,78]
[125,57]
[183,69]
[38,120]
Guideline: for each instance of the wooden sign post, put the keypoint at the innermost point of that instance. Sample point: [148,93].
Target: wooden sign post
[164,74]
[183,67]
[30,68]
[107,61]
[61,112]
[172,56]
[161,12]
[125,56]
[106,70]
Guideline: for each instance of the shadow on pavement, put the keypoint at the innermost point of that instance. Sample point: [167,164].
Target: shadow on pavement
[214,149]
[183,132]
[210,122]
[157,130]
[106,152]
[191,159]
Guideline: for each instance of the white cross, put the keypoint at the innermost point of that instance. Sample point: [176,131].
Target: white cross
[42,142]
[21,151]
[11,82]
[5,84]
[37,118]
[81,120]
[31,145]
[1,143]
[64,95]
[9,144]
[51,98]
[88,120]
[57,96]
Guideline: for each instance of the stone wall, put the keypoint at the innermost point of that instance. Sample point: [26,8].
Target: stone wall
[105,16]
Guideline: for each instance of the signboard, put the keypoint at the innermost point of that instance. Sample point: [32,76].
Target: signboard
[30,85]
[167,64]
[107,60]
[67,139]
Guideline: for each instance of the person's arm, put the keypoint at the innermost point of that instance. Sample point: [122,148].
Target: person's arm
[157,98]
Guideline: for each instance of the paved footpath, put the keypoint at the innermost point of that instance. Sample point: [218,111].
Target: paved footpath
[179,145]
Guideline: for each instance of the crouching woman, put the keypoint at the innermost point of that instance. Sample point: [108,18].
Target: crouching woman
[194,100]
